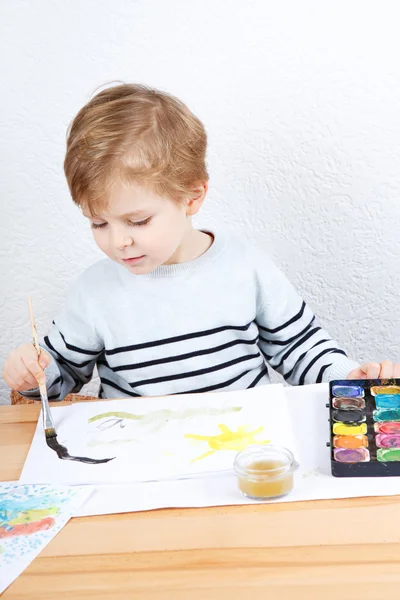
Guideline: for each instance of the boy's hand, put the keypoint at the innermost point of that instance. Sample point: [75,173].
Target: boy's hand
[23,369]
[371,370]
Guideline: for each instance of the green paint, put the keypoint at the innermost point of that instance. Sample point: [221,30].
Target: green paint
[118,415]
[165,414]
[116,442]
[388,455]
[30,516]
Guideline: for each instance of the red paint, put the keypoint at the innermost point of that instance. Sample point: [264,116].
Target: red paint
[26,528]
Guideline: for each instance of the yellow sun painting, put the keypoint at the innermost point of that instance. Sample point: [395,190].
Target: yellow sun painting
[228,440]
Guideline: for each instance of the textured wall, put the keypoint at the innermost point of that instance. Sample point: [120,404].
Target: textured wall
[301,103]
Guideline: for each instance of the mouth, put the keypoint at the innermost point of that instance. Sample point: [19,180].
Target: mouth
[132,261]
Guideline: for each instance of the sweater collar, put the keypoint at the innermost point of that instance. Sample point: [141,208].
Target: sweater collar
[218,245]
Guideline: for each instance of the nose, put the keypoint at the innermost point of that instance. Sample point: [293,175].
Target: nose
[121,240]
[127,241]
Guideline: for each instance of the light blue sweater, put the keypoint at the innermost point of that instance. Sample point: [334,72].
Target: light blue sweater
[214,323]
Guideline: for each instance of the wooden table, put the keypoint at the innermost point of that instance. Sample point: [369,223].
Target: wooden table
[342,549]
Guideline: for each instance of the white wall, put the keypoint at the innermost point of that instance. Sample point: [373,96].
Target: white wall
[301,103]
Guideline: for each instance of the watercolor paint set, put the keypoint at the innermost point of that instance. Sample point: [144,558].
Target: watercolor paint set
[365,428]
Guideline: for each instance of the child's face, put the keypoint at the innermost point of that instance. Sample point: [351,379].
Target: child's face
[140,229]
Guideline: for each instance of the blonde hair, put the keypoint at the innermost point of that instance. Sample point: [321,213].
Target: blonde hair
[136,134]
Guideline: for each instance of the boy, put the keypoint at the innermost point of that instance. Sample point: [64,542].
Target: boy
[175,310]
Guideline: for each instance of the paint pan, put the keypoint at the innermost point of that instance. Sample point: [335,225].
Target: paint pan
[365,428]
[348,403]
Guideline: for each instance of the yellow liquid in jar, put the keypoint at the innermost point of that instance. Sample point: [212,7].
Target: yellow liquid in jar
[262,481]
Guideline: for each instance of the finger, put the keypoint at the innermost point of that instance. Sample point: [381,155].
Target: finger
[356,374]
[19,379]
[23,376]
[21,387]
[396,371]
[371,370]
[34,369]
[386,370]
[9,380]
[44,359]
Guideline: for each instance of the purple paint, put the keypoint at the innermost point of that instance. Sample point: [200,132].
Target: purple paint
[350,455]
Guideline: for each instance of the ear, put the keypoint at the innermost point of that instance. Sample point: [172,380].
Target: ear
[196,198]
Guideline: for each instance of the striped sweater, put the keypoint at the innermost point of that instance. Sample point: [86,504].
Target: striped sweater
[215,323]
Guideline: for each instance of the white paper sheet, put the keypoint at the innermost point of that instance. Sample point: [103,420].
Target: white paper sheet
[313,481]
[160,438]
[30,516]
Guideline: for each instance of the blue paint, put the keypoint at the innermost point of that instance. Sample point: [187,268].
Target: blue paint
[388,414]
[387,401]
[347,391]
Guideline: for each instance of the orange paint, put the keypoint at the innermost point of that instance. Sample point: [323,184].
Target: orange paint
[26,528]
[350,441]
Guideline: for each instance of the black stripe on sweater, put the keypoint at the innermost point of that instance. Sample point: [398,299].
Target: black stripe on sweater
[289,340]
[80,350]
[289,373]
[225,365]
[178,338]
[321,373]
[176,358]
[295,346]
[314,360]
[105,381]
[265,355]
[58,380]
[78,383]
[66,360]
[53,397]
[290,322]
[217,386]
[257,379]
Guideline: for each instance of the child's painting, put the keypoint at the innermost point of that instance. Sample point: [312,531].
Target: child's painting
[159,438]
[30,516]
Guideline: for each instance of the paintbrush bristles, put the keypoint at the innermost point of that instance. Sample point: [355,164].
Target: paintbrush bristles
[50,432]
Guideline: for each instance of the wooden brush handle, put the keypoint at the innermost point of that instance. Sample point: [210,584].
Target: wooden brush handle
[33,327]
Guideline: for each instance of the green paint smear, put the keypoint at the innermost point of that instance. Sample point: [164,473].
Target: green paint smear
[165,414]
[116,442]
[118,415]
[30,516]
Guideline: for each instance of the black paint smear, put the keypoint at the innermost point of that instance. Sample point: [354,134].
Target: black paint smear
[109,423]
[63,453]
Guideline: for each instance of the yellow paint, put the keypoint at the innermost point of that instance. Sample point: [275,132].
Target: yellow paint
[342,429]
[30,516]
[227,439]
[376,390]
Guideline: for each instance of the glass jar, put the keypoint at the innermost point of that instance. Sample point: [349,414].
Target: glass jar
[265,472]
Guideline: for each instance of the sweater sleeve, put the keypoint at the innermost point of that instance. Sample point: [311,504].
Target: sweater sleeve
[291,340]
[74,346]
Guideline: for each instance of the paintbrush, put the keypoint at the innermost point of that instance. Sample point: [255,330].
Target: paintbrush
[48,424]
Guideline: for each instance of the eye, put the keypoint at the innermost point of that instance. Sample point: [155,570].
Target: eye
[140,223]
[98,225]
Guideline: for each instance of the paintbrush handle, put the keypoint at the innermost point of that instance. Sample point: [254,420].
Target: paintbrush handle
[47,418]
[33,327]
